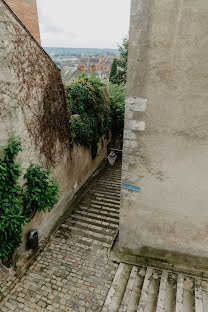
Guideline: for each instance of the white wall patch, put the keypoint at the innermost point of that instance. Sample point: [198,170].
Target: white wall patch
[136,104]
[135,125]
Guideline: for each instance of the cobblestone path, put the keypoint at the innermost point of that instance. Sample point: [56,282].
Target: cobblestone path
[73,272]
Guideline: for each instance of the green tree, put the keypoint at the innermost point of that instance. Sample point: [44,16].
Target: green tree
[117,93]
[121,75]
[91,119]
[113,72]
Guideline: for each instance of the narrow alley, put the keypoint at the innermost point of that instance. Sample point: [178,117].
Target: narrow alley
[73,272]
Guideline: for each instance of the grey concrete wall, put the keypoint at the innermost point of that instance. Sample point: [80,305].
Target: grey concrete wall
[166,129]
[33,106]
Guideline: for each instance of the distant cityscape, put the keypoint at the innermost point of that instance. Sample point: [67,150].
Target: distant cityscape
[73,61]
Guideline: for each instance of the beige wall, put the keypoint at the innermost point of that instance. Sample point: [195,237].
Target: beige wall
[166,129]
[33,105]
[71,173]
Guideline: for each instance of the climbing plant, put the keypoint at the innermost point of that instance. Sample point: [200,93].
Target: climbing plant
[91,117]
[41,190]
[18,204]
[37,92]
[12,220]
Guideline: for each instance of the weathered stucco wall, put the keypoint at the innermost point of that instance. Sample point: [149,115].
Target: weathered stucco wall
[71,173]
[166,129]
[33,106]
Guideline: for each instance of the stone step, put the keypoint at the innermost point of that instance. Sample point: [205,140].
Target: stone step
[92,221]
[114,169]
[105,208]
[98,228]
[100,208]
[116,292]
[110,179]
[98,218]
[88,227]
[110,182]
[89,242]
[130,298]
[188,291]
[105,185]
[79,231]
[105,204]
[162,292]
[116,193]
[151,290]
[148,298]
[108,186]
[83,242]
[101,212]
[103,199]
[107,200]
[107,195]
[134,293]
[115,177]
[114,172]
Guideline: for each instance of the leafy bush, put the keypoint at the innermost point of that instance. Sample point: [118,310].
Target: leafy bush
[41,194]
[11,219]
[82,130]
[92,119]
[41,191]
[117,95]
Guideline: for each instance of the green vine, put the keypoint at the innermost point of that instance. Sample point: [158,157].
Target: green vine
[41,194]
[41,191]
[91,117]
[12,220]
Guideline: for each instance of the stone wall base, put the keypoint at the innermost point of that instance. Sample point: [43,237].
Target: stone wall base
[160,259]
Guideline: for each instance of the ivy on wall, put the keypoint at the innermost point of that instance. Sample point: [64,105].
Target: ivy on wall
[91,116]
[35,90]
[41,193]
[12,220]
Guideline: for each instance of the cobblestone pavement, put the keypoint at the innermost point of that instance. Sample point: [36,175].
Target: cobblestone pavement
[73,272]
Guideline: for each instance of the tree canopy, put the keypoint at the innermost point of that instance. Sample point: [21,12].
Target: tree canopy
[120,66]
[114,69]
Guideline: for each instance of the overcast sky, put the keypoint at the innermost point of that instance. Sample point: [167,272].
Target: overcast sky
[83,23]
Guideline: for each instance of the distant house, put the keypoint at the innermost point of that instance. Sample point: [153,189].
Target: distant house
[87,72]
[69,74]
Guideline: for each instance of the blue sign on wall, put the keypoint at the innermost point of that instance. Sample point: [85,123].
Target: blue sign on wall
[131,187]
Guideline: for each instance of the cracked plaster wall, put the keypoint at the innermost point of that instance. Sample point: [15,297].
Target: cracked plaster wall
[166,128]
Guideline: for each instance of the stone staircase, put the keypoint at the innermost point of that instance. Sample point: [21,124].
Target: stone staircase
[139,289]
[94,222]
[93,225]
